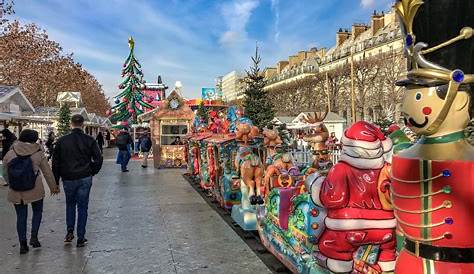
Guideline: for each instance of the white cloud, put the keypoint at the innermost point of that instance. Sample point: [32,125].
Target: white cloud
[236,15]
[276,11]
[367,3]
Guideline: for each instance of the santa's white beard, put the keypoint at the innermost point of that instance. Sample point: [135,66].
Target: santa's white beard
[363,158]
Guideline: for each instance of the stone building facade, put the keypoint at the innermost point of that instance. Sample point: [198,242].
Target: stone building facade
[374,41]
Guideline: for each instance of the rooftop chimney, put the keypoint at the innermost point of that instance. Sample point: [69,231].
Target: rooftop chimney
[281,65]
[357,29]
[342,36]
[378,22]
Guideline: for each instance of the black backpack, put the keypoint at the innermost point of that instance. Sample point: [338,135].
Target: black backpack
[122,140]
[21,175]
[145,145]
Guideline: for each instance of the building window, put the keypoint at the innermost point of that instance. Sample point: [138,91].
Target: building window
[170,132]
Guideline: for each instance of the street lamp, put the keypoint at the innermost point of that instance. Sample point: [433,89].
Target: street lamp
[353,106]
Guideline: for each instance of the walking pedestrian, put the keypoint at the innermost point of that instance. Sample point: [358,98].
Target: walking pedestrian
[107,139]
[123,142]
[145,147]
[50,144]
[8,139]
[22,167]
[100,141]
[76,160]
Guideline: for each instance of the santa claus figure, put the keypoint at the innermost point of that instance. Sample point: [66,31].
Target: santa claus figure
[358,212]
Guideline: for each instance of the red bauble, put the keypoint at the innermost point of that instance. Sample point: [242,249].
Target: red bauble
[133,86]
[131,110]
[124,123]
[124,100]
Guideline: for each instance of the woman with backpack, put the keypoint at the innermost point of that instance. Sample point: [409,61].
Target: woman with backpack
[23,165]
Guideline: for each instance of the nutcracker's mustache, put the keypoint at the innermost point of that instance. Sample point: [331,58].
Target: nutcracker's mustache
[412,122]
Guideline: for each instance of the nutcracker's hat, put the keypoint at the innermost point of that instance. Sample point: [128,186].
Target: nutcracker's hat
[439,45]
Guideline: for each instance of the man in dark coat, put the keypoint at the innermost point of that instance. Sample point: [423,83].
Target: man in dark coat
[76,159]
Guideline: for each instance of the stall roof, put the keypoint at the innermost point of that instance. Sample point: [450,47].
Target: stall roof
[220,138]
[199,136]
[15,94]
[331,117]
[53,112]
[284,119]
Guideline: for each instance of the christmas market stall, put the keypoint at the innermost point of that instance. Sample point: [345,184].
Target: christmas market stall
[170,124]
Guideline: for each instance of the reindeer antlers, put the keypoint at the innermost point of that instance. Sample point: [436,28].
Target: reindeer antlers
[316,117]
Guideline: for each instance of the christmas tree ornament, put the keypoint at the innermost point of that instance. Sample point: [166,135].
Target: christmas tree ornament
[117,101]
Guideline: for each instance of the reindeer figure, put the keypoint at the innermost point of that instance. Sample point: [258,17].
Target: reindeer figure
[317,139]
[319,133]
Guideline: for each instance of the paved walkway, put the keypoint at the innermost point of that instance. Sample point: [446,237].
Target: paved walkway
[145,221]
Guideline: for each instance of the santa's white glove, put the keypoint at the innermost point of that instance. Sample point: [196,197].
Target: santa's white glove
[313,185]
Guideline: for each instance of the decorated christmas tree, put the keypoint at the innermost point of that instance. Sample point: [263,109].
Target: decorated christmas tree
[131,101]
[64,120]
[385,123]
[202,112]
[256,103]
[285,137]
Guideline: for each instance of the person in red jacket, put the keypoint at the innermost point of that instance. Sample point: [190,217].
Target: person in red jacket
[357,212]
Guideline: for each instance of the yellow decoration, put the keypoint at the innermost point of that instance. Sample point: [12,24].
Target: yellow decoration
[407,10]
[131,43]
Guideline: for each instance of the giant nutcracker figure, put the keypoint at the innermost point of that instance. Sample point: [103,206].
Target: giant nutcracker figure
[433,180]
[358,211]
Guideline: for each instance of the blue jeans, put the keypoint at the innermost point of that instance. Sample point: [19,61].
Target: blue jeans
[22,218]
[124,158]
[77,195]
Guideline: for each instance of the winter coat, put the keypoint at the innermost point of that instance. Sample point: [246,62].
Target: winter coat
[145,144]
[8,139]
[100,139]
[76,156]
[40,162]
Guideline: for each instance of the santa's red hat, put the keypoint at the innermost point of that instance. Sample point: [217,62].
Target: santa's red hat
[364,146]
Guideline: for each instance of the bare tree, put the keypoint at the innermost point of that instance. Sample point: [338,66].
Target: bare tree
[366,71]
[391,70]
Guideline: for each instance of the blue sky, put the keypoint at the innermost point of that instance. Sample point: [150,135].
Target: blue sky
[192,41]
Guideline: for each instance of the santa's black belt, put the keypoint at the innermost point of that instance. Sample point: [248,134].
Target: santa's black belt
[439,253]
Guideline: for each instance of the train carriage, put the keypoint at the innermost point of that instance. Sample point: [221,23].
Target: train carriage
[221,151]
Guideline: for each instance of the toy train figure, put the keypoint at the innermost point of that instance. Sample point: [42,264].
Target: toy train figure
[343,222]
[225,189]
[196,145]
[432,181]
[250,172]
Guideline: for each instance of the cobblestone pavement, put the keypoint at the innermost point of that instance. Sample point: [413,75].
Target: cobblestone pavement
[144,221]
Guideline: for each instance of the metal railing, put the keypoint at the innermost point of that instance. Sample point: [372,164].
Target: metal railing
[304,156]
